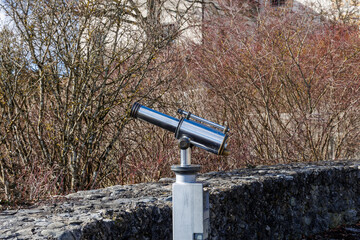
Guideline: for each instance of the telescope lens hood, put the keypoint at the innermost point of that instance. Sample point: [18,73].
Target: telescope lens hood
[135,109]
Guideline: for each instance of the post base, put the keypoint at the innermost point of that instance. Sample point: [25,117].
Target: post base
[186,174]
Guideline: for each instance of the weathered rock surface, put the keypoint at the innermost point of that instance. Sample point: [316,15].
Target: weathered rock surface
[267,202]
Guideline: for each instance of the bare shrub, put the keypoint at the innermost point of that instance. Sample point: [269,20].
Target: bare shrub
[288,84]
[70,71]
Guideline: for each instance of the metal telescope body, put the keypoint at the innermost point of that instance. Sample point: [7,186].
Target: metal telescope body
[191,214]
[201,133]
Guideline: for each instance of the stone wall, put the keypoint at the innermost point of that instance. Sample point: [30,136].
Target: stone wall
[266,202]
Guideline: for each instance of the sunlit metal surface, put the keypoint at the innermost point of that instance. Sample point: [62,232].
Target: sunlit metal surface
[211,137]
[189,115]
[157,118]
[202,136]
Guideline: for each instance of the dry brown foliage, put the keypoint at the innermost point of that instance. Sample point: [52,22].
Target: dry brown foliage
[287,84]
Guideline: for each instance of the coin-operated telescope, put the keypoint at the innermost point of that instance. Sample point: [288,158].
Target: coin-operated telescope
[191,219]
[200,132]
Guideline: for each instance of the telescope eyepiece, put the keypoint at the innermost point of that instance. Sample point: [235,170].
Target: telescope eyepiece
[135,109]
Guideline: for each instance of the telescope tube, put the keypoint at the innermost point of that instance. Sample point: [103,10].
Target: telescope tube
[203,136]
[200,135]
[157,118]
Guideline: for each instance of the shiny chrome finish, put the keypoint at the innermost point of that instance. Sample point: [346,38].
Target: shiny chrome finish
[211,138]
[202,136]
[189,115]
[157,118]
[185,157]
[185,151]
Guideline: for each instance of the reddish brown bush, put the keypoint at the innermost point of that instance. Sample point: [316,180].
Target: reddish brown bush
[288,84]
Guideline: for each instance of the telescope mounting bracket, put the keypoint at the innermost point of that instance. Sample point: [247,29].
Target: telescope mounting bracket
[185,172]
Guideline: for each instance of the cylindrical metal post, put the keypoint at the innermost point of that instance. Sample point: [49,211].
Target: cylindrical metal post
[185,151]
[185,157]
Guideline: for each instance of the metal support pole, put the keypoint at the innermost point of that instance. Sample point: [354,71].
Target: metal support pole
[190,202]
[185,157]
[185,152]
